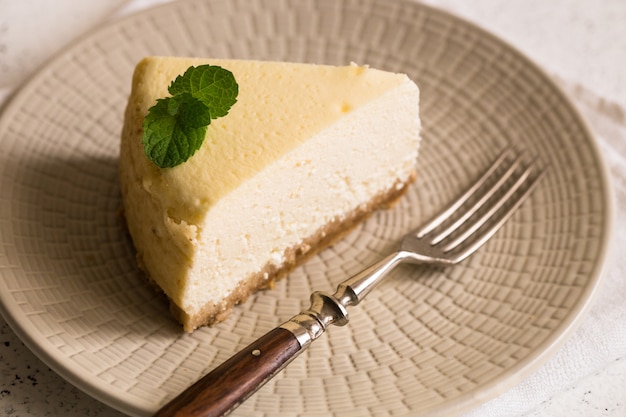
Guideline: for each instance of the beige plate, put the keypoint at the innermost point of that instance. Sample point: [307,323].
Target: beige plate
[429,340]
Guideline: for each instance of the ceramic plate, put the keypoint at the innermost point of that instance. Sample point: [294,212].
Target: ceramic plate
[428,341]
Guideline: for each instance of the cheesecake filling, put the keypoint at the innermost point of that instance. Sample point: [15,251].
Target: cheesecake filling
[293,197]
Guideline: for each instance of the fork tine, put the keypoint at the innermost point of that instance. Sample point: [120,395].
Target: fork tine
[455,205]
[486,196]
[484,235]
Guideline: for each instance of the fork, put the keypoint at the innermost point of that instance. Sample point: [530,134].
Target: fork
[450,237]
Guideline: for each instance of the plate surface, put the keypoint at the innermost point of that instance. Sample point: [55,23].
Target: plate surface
[429,340]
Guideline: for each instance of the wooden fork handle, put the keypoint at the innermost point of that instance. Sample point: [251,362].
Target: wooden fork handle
[228,385]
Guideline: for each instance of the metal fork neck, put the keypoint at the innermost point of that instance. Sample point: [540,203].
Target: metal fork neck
[329,309]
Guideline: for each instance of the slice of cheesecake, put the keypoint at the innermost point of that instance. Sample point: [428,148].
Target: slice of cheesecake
[305,153]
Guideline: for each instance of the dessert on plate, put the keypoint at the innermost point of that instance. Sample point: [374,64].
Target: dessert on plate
[305,153]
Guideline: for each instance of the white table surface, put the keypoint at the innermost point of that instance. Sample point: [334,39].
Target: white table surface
[581,43]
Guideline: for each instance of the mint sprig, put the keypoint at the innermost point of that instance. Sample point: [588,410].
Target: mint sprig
[175,127]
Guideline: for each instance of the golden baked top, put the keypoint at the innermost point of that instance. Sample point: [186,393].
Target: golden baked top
[279,106]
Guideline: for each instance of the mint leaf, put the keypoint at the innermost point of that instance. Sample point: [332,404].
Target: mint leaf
[214,85]
[175,127]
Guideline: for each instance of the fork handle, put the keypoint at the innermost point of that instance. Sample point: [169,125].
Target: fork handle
[228,385]
[231,383]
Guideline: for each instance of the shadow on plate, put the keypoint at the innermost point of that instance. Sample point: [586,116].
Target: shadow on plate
[77,260]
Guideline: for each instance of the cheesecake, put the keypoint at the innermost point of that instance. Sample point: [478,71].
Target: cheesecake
[305,153]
